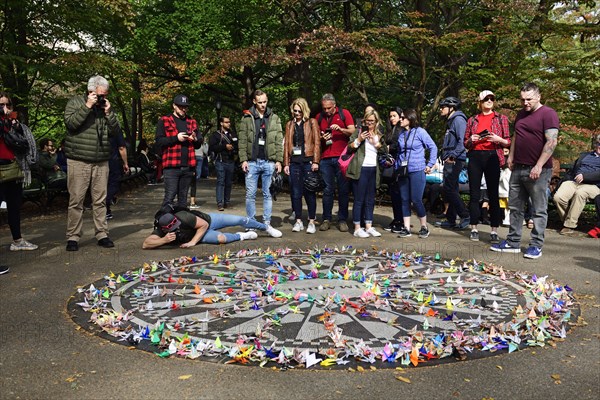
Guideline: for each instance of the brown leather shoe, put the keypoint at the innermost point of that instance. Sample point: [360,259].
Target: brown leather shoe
[567,231]
[343,226]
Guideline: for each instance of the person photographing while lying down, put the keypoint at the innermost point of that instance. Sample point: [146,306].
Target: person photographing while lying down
[187,228]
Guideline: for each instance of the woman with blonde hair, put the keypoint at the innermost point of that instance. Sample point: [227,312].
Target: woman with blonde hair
[368,144]
[301,155]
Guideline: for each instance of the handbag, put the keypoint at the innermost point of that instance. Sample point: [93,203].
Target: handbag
[10,172]
[387,162]
[344,160]
[402,171]
[314,182]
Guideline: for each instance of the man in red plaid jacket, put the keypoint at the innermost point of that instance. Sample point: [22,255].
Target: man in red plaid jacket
[177,135]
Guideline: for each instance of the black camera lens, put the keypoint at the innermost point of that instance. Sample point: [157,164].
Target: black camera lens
[101,101]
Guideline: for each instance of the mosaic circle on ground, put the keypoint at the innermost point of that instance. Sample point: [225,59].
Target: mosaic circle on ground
[324,308]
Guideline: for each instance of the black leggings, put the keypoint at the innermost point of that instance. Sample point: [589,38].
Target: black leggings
[484,163]
[12,194]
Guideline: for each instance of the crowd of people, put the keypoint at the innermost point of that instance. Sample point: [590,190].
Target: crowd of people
[330,151]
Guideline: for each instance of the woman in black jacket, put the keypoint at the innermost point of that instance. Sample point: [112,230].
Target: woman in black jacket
[391,139]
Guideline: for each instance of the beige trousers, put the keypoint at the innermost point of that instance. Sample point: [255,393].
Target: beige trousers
[575,194]
[81,176]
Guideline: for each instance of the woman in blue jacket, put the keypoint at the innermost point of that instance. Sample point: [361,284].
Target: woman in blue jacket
[412,143]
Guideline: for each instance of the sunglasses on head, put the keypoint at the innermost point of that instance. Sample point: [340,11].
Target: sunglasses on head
[170,225]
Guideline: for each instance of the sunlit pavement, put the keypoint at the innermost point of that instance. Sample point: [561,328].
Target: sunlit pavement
[45,355]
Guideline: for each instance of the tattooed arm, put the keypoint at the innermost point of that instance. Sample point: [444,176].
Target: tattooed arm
[551,140]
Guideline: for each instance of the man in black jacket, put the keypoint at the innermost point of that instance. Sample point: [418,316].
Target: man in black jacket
[223,146]
[583,185]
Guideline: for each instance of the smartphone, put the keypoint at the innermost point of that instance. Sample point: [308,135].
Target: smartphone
[484,133]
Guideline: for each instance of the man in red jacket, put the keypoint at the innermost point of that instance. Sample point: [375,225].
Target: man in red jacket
[177,136]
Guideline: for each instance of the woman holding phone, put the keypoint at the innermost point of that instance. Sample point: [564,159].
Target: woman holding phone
[368,144]
[486,137]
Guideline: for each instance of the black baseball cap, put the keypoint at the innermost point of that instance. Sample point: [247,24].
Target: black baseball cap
[181,100]
[168,223]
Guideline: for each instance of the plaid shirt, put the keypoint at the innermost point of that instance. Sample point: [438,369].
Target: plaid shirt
[499,127]
[171,155]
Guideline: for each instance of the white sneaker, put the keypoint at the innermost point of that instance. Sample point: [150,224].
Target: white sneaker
[250,235]
[311,228]
[361,233]
[273,232]
[298,226]
[373,232]
[22,245]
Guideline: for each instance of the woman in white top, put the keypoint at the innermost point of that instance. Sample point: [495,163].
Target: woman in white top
[368,144]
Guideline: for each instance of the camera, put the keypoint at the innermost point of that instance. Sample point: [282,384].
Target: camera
[101,101]
[328,130]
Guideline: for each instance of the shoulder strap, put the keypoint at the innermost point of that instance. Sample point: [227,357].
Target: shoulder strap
[341,113]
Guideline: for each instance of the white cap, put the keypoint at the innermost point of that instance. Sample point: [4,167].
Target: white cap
[485,94]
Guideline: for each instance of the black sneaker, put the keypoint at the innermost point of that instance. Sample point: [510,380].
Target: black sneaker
[4,269]
[390,227]
[474,236]
[398,227]
[109,216]
[494,238]
[424,232]
[72,245]
[106,243]
[404,233]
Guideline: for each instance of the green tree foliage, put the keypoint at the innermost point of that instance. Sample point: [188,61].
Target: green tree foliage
[390,52]
[49,48]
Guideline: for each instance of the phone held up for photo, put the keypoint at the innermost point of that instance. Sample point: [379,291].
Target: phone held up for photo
[329,141]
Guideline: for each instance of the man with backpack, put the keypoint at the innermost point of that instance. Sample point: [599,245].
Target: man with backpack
[454,156]
[336,125]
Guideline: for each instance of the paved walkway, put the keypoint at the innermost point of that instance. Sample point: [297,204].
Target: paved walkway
[45,355]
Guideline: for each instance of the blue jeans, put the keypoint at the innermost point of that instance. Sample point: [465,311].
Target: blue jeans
[364,195]
[522,188]
[298,173]
[264,170]
[331,173]
[224,181]
[450,191]
[220,221]
[412,188]
[177,183]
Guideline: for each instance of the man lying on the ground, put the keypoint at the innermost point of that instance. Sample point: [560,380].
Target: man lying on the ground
[187,228]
